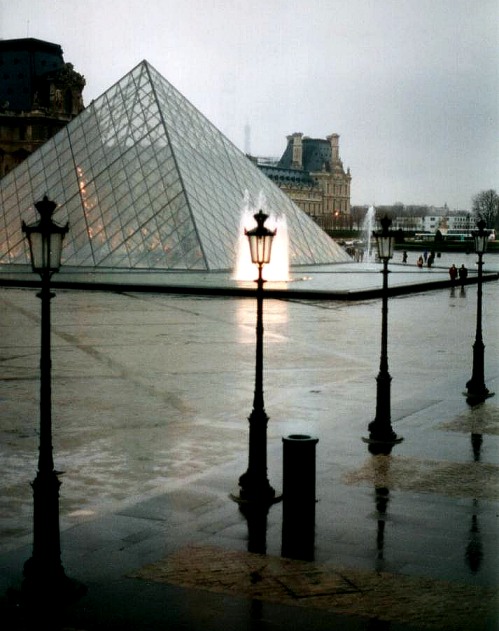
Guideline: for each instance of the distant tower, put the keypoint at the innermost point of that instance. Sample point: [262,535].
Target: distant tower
[334,139]
[297,148]
[39,94]
[247,139]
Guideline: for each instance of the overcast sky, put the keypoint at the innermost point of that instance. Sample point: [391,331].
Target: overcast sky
[411,86]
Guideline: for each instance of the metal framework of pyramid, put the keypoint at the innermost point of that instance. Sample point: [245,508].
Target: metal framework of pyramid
[147,182]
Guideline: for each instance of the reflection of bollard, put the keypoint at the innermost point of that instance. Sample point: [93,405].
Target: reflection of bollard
[298,496]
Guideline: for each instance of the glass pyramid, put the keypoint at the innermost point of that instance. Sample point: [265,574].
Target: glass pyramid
[147,182]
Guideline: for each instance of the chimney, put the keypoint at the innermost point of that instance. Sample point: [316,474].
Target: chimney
[297,160]
[334,140]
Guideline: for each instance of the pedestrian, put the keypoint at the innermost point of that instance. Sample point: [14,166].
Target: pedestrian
[453,273]
[404,257]
[425,255]
[463,274]
[420,262]
[431,258]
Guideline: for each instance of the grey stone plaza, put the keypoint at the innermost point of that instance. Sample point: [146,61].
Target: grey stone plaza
[151,394]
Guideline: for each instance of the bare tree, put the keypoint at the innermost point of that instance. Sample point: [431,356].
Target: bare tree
[357,214]
[486,207]
[417,210]
[389,211]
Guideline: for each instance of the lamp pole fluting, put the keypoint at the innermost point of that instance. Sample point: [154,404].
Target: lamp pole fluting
[380,429]
[254,484]
[44,576]
[477,391]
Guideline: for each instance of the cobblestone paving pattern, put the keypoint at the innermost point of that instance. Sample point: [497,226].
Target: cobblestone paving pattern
[425,603]
[478,420]
[454,479]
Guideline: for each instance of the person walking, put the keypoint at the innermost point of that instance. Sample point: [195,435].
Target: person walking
[463,274]
[453,273]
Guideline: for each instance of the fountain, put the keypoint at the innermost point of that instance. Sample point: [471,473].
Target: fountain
[278,268]
[367,231]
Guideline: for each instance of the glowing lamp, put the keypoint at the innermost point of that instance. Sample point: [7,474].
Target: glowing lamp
[45,239]
[385,239]
[260,240]
[481,237]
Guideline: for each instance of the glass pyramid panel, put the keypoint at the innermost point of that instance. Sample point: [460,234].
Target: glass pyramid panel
[147,182]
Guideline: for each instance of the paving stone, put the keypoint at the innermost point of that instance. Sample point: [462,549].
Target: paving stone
[417,601]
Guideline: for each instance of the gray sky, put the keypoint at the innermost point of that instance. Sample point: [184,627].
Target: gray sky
[411,86]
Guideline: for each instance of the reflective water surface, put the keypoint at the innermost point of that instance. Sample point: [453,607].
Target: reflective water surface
[151,395]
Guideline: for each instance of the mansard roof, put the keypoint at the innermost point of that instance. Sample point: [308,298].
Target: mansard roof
[316,153]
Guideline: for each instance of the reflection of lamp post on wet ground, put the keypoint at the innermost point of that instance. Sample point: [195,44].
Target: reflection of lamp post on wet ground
[381,463]
[380,430]
[256,517]
[254,484]
[382,497]
[44,576]
[474,547]
[476,389]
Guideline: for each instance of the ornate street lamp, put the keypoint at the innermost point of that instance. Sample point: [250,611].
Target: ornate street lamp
[254,485]
[380,430]
[44,577]
[476,389]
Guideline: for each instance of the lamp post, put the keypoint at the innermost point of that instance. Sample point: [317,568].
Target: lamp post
[380,429]
[44,576]
[476,389]
[254,485]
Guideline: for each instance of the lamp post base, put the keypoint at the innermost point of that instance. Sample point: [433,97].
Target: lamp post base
[476,394]
[44,579]
[388,440]
[382,433]
[255,490]
[45,589]
[257,502]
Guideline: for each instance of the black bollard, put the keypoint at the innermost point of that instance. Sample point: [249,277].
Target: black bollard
[298,497]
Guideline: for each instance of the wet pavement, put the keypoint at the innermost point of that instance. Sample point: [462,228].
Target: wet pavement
[151,395]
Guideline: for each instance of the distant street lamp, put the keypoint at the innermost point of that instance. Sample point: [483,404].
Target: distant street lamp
[254,485]
[476,389]
[380,429]
[44,576]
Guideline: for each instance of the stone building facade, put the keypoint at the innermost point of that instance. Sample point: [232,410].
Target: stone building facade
[39,94]
[311,172]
